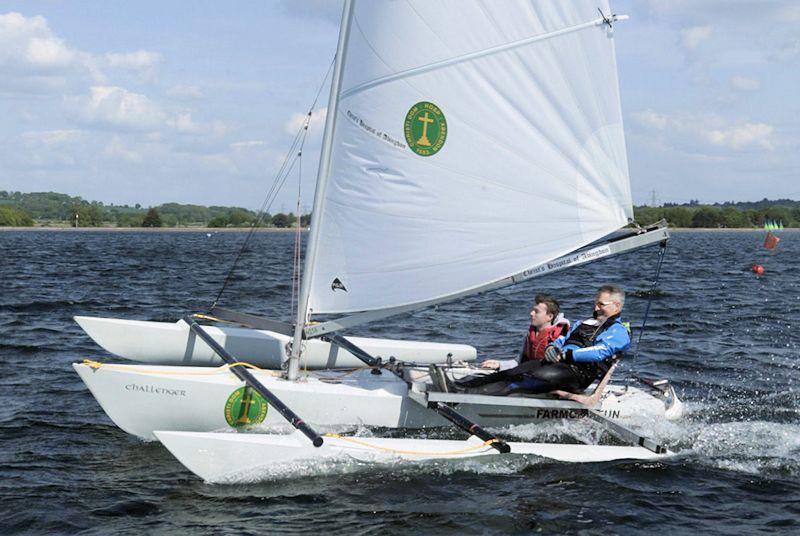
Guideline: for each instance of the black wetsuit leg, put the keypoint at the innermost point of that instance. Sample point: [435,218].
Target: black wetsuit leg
[551,377]
[508,375]
[540,378]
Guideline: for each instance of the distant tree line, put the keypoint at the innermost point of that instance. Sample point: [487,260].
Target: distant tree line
[25,209]
[722,215]
[19,209]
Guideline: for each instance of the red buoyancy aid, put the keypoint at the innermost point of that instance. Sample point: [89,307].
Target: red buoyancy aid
[535,343]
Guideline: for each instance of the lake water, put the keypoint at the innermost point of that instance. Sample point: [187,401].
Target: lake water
[728,339]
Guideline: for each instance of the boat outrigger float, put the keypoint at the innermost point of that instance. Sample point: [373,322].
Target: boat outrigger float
[488,152]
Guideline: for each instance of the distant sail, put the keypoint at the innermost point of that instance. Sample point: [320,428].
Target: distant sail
[472,141]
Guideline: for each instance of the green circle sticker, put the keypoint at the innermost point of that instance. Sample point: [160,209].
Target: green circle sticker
[425,128]
[245,407]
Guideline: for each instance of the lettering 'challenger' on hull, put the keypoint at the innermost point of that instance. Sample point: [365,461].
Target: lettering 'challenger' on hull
[151,389]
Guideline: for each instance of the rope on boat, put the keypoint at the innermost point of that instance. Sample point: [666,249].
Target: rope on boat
[218,370]
[474,448]
[342,373]
[203,316]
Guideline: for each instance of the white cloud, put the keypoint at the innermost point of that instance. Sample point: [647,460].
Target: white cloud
[738,137]
[692,37]
[247,145]
[185,91]
[298,120]
[117,150]
[786,52]
[48,53]
[790,13]
[116,107]
[742,83]
[327,10]
[51,137]
[651,119]
[697,133]
[183,123]
[137,61]
[32,58]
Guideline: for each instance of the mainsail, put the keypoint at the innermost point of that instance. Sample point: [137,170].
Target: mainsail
[470,141]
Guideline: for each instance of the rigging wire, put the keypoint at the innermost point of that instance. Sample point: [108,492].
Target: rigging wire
[661,252]
[294,303]
[292,156]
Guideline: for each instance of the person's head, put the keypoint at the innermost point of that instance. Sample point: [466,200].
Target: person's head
[545,310]
[608,302]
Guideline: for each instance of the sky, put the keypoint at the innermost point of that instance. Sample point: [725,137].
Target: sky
[198,102]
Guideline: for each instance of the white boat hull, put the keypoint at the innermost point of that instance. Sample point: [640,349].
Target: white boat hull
[141,399]
[230,457]
[165,343]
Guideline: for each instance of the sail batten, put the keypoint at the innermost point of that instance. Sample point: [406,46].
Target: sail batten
[467,57]
[470,142]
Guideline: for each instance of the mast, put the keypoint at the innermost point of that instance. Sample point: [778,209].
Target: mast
[319,195]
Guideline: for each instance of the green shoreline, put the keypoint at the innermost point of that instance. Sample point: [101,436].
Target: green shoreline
[288,229]
[150,229]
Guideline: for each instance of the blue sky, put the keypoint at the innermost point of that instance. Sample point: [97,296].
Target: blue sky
[151,102]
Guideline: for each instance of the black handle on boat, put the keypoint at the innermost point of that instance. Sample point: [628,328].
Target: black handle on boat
[470,427]
[352,348]
[245,375]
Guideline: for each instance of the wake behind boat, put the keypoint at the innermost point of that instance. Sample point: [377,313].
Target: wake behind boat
[489,153]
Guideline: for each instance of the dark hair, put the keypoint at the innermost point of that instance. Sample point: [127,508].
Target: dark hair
[552,305]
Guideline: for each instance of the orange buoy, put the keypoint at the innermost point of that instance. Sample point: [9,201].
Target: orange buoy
[758,269]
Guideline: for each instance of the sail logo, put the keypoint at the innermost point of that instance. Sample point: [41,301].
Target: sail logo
[337,285]
[425,128]
[245,407]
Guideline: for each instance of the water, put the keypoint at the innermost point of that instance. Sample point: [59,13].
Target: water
[728,339]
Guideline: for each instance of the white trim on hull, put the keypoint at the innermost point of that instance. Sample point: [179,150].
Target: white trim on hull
[228,457]
[165,343]
[141,399]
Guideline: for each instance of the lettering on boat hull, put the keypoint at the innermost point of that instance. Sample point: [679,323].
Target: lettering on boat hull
[551,414]
[152,389]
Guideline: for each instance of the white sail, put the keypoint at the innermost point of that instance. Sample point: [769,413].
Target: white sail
[472,140]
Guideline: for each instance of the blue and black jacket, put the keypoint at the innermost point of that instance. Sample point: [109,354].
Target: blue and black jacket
[594,346]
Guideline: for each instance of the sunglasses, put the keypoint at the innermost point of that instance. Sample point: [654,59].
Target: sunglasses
[603,303]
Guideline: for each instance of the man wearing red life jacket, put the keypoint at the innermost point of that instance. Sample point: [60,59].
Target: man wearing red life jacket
[547,325]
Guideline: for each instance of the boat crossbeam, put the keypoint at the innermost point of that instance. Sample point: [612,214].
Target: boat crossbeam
[252,321]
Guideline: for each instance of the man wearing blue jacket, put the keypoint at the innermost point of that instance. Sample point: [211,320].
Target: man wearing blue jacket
[573,361]
[587,351]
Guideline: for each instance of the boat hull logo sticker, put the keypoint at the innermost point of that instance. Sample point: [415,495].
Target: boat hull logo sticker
[425,128]
[245,407]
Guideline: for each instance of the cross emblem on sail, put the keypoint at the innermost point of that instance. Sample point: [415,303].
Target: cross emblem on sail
[425,129]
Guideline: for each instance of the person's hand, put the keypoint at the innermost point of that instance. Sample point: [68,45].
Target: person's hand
[553,354]
[493,364]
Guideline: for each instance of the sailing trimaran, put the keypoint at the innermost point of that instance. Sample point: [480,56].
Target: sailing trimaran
[468,146]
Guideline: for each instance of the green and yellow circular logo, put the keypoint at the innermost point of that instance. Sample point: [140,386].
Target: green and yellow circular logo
[245,407]
[425,128]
